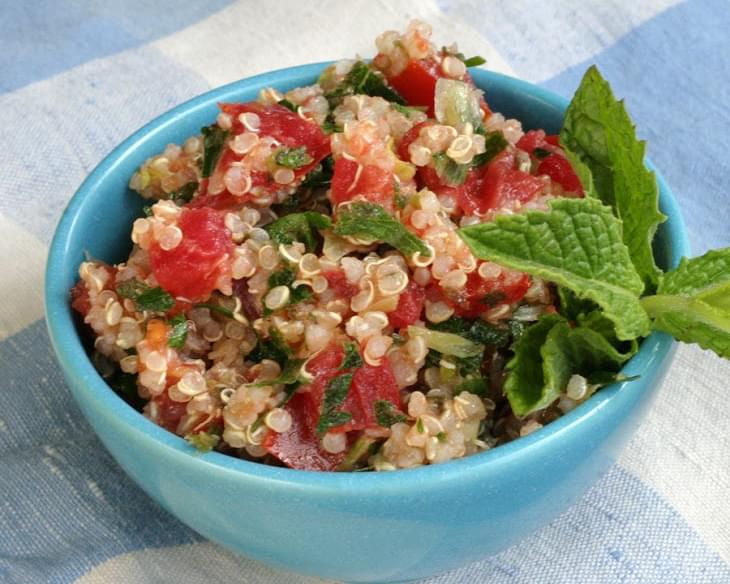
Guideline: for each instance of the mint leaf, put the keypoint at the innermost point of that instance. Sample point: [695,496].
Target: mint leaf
[387,414]
[334,396]
[289,374]
[525,382]
[146,298]
[546,356]
[214,137]
[293,157]
[300,227]
[584,174]
[288,105]
[693,302]
[185,193]
[576,244]
[599,131]
[373,223]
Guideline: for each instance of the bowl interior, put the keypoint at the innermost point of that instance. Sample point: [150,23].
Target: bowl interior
[97,223]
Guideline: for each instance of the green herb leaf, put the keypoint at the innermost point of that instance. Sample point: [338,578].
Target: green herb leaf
[273,348]
[599,131]
[494,143]
[693,302]
[214,138]
[576,244]
[283,277]
[290,374]
[546,356]
[474,61]
[205,441]
[450,172]
[321,175]
[288,105]
[179,332]
[362,447]
[185,193]
[352,357]
[363,79]
[387,414]
[584,174]
[419,426]
[334,396]
[298,227]
[144,297]
[476,330]
[541,153]
[227,312]
[408,110]
[372,222]
[293,157]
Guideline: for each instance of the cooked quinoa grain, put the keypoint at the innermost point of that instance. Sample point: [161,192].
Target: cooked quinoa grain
[298,292]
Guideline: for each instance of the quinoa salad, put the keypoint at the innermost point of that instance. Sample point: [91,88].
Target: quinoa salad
[301,290]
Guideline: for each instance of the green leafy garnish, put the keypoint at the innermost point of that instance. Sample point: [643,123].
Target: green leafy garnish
[288,105]
[273,348]
[293,157]
[227,312]
[373,223]
[693,302]
[476,330]
[207,440]
[363,79]
[299,227]
[144,297]
[214,137]
[290,375]
[352,357]
[450,172]
[599,131]
[362,447]
[334,396]
[546,356]
[185,193]
[387,414]
[474,61]
[179,332]
[321,175]
[478,386]
[576,244]
[441,436]
[494,143]
[286,277]
[419,426]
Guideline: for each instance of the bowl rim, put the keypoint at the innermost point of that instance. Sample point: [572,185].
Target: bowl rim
[76,364]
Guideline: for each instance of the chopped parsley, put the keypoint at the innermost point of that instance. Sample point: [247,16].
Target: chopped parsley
[300,227]
[335,395]
[273,348]
[419,426]
[387,414]
[293,158]
[184,194]
[494,143]
[363,79]
[288,105]
[474,61]
[321,175]
[144,297]
[478,386]
[227,312]
[352,357]
[372,222]
[214,137]
[179,333]
[452,173]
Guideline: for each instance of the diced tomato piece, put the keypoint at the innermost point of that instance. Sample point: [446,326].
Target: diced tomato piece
[169,412]
[371,384]
[191,269]
[417,83]
[374,183]
[339,283]
[80,298]
[502,184]
[299,447]
[409,137]
[410,306]
[553,139]
[479,295]
[557,167]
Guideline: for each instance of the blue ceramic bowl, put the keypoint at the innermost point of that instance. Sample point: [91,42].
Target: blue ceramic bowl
[358,527]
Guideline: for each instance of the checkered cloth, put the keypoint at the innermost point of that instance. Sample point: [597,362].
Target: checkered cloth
[78,77]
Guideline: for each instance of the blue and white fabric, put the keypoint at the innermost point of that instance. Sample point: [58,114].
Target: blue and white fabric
[78,77]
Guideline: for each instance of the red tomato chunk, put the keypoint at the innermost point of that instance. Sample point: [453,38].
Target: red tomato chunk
[191,269]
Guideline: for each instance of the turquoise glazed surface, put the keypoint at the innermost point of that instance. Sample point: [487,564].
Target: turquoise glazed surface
[359,527]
